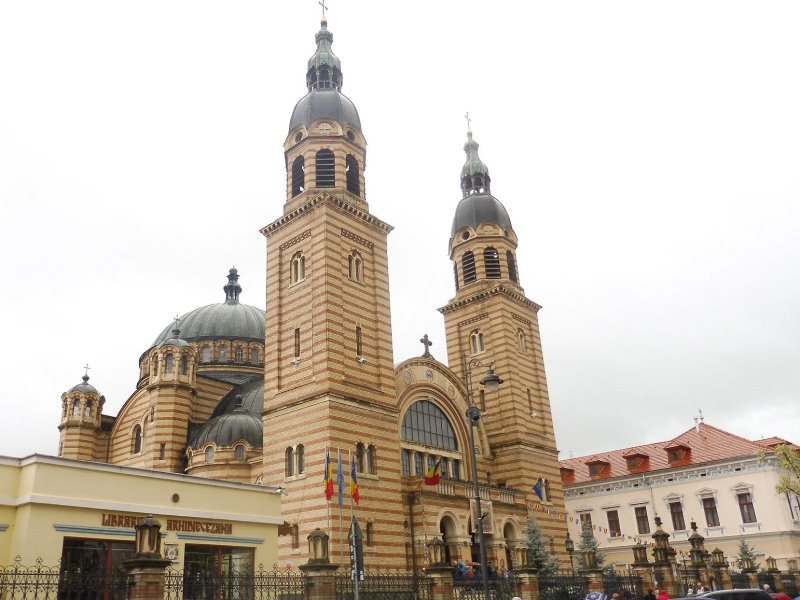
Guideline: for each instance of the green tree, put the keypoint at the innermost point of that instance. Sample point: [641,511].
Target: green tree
[746,551]
[789,461]
[588,542]
[541,558]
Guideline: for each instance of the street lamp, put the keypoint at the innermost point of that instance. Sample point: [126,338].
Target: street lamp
[490,382]
[570,546]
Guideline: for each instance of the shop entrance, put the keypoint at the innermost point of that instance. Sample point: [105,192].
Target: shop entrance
[93,569]
[217,572]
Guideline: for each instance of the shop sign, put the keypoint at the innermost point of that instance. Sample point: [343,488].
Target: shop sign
[188,525]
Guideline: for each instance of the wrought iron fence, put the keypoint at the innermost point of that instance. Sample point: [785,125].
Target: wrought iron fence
[789,585]
[500,588]
[739,580]
[564,586]
[79,582]
[385,585]
[628,586]
[233,585]
[765,578]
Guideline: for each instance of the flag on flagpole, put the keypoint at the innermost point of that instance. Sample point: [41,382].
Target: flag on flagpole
[340,480]
[434,474]
[353,480]
[537,488]
[327,480]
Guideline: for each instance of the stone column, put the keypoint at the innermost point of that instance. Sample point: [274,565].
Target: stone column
[749,569]
[439,571]
[146,576]
[793,572]
[722,573]
[772,569]
[525,574]
[642,567]
[320,573]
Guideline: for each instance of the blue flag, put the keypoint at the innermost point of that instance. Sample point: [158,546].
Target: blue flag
[340,480]
[537,488]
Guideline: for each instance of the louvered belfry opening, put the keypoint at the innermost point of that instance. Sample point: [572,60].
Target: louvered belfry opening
[326,174]
[512,266]
[491,260]
[298,176]
[468,267]
[351,168]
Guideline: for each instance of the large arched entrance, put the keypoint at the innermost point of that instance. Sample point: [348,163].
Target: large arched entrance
[510,538]
[447,528]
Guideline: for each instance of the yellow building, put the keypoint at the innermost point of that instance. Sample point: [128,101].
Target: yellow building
[233,392]
[80,513]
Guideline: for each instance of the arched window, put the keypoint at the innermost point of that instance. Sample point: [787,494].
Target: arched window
[372,460]
[522,344]
[184,365]
[289,461]
[87,412]
[300,455]
[298,268]
[476,342]
[298,176]
[512,266]
[295,537]
[326,175]
[154,362]
[360,457]
[355,267]
[455,274]
[223,355]
[425,423]
[351,169]
[168,360]
[491,262]
[209,455]
[254,356]
[76,408]
[238,453]
[238,354]
[205,354]
[136,445]
[468,267]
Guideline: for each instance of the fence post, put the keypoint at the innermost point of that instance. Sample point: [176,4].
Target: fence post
[439,572]
[525,574]
[642,568]
[662,553]
[722,573]
[146,570]
[320,573]
[772,569]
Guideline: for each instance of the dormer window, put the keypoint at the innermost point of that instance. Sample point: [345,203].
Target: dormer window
[567,475]
[637,462]
[679,454]
[599,469]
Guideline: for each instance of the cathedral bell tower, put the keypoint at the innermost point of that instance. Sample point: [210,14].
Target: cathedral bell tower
[490,321]
[329,375]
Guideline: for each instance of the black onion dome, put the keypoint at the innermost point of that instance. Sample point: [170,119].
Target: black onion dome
[229,428]
[227,320]
[324,82]
[480,208]
[84,387]
[325,104]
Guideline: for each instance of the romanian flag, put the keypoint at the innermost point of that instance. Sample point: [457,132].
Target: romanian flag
[353,480]
[327,480]
[434,474]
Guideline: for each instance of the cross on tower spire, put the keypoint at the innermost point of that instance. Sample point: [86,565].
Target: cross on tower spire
[469,121]
[427,343]
[324,8]
[86,367]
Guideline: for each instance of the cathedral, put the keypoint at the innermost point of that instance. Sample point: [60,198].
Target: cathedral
[237,393]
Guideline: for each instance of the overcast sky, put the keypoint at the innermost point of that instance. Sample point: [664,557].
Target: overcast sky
[647,154]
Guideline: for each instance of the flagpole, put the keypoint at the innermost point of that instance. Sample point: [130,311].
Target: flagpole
[350,462]
[328,502]
[339,485]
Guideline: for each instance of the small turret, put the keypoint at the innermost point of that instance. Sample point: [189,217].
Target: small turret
[81,413]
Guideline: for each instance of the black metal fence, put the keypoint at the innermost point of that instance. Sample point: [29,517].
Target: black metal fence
[564,586]
[765,578]
[500,588]
[79,582]
[626,585]
[385,585]
[232,585]
[739,581]
[789,585]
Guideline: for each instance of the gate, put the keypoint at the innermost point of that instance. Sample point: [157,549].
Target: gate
[565,586]
[234,585]
[385,585]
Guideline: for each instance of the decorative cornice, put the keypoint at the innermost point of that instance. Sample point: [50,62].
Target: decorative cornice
[485,294]
[516,317]
[357,238]
[668,477]
[480,317]
[326,198]
[296,239]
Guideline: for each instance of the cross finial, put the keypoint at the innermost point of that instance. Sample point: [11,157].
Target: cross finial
[324,8]
[427,343]
[177,320]
[86,367]
[469,121]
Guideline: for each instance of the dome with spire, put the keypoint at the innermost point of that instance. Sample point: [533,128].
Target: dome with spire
[478,205]
[84,387]
[324,81]
[226,320]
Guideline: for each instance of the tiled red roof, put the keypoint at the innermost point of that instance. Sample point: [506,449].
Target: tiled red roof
[706,443]
[770,442]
